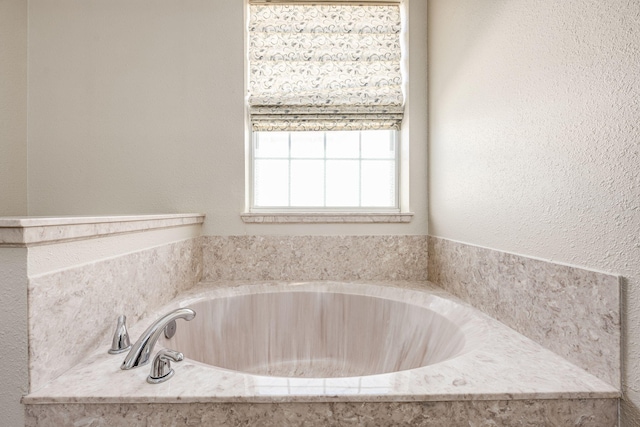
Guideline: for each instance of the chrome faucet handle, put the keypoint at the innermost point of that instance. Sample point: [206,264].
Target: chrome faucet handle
[120,342]
[161,366]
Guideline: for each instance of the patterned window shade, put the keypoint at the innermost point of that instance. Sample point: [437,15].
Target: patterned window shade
[325,67]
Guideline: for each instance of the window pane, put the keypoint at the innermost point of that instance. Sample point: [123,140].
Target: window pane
[307,183]
[307,144]
[343,183]
[343,145]
[272,144]
[325,169]
[378,183]
[271,180]
[377,145]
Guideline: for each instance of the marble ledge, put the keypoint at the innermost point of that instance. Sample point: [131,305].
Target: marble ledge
[31,231]
[326,217]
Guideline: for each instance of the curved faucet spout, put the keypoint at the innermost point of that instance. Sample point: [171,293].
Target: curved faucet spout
[141,351]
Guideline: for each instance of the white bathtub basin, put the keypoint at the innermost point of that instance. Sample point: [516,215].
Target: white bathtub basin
[318,334]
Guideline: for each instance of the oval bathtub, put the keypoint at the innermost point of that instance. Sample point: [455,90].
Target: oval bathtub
[320,330]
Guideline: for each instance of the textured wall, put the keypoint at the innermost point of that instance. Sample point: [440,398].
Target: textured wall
[13,107]
[534,139]
[13,334]
[137,107]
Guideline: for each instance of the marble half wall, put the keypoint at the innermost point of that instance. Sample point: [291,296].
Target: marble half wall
[401,257]
[74,310]
[571,311]
[83,272]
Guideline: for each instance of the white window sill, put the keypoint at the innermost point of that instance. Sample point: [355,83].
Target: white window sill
[325,217]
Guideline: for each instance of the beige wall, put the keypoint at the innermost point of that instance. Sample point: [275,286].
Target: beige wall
[137,107]
[13,201]
[13,107]
[534,139]
[13,334]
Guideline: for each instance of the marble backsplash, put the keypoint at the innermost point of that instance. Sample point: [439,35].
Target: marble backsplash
[571,311]
[74,310]
[399,257]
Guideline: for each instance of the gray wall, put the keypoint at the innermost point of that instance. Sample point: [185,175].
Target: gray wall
[534,140]
[138,107]
[13,107]
[13,201]
[13,334]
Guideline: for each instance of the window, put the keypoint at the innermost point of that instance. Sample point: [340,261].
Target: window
[325,102]
[319,170]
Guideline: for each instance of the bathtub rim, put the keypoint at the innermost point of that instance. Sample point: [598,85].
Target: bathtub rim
[472,327]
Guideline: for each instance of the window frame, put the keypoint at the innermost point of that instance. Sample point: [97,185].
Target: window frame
[401,213]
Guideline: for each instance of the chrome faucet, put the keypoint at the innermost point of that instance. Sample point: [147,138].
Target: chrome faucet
[161,367]
[120,342]
[141,351]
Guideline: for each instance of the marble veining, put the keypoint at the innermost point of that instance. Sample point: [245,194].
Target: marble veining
[572,311]
[73,311]
[315,258]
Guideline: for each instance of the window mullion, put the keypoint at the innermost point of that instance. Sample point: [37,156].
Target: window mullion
[324,158]
[359,169]
[289,172]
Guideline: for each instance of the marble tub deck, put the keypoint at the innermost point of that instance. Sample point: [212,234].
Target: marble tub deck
[504,367]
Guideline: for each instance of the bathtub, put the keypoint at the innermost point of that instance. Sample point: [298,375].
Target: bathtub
[320,330]
[327,351]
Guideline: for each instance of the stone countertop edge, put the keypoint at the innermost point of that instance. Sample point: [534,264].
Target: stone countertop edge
[30,231]
[65,400]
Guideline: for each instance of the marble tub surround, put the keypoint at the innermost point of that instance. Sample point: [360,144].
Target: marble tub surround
[73,311]
[571,311]
[504,366]
[71,277]
[501,413]
[399,257]
[29,231]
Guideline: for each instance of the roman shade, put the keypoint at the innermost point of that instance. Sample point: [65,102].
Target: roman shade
[325,66]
